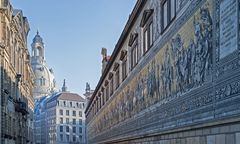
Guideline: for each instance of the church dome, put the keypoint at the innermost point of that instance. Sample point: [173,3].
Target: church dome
[44,83]
[37,38]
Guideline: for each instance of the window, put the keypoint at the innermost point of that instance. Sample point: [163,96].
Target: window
[61,112]
[80,138]
[147,25]
[80,113]
[80,121]
[80,129]
[74,138]
[124,68]
[61,120]
[67,128]
[100,102]
[103,96]
[64,103]
[61,128]
[67,136]
[74,113]
[74,121]
[70,104]
[61,137]
[117,78]
[107,92]
[97,99]
[111,86]
[134,54]
[148,35]
[168,13]
[42,81]
[74,129]
[67,112]
[67,120]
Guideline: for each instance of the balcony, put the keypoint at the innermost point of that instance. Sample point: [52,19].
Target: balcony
[21,107]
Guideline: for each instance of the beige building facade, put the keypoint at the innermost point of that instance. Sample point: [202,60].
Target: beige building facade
[16,77]
[173,77]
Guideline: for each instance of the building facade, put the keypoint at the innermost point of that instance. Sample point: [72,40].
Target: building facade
[60,118]
[40,127]
[70,120]
[173,76]
[16,78]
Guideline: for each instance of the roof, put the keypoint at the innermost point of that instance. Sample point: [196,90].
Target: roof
[16,11]
[70,97]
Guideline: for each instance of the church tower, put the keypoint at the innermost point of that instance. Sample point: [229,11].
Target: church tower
[44,83]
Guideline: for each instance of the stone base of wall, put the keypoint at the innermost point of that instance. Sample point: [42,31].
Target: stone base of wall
[218,133]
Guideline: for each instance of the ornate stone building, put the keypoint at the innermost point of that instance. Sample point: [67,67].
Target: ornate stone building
[173,76]
[16,78]
[44,82]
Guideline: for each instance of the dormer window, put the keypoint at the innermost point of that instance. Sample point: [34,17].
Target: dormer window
[111,83]
[117,76]
[107,90]
[135,52]
[123,58]
[168,13]
[147,25]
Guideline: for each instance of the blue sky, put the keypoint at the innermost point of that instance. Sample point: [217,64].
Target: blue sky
[74,31]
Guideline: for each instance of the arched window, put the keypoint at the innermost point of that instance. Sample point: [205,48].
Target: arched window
[42,81]
[37,52]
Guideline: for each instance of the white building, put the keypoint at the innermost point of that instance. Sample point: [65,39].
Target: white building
[65,118]
[44,83]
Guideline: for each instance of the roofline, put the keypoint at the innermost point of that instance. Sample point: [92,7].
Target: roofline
[132,18]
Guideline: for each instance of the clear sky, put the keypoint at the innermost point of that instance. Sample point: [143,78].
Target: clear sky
[74,31]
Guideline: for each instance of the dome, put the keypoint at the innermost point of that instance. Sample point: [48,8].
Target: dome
[37,38]
[44,83]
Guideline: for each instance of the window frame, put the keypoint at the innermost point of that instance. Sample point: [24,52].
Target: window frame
[67,129]
[67,112]
[169,19]
[61,128]
[74,129]
[117,78]
[146,35]
[124,68]
[60,112]
[107,92]
[134,54]
[74,113]
[111,86]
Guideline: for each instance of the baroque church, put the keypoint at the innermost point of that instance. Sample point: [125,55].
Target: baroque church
[44,83]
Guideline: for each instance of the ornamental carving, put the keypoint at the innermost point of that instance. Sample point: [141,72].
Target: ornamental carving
[182,64]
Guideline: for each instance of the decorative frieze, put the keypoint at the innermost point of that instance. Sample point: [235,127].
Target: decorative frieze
[227,90]
[175,85]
